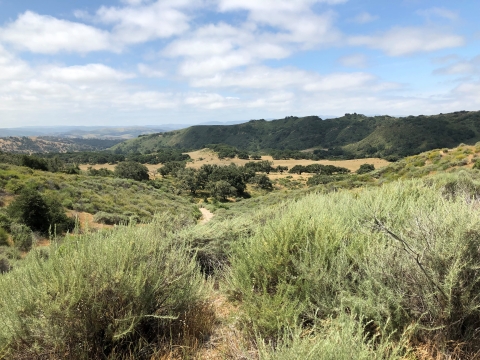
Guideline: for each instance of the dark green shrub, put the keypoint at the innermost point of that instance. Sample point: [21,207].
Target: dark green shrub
[262,181]
[4,265]
[131,170]
[365,168]
[3,237]
[171,168]
[30,208]
[34,162]
[39,213]
[104,172]
[476,165]
[221,189]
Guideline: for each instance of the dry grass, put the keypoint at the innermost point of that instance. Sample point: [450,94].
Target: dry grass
[209,157]
[206,156]
[226,340]
[86,221]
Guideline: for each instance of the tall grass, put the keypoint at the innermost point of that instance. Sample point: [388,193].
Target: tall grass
[341,338]
[119,294]
[398,255]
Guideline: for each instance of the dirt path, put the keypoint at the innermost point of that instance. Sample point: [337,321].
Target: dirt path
[207,215]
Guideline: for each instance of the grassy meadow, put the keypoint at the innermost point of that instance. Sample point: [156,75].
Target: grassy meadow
[380,265]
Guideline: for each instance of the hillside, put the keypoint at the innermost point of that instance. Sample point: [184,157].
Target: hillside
[353,135]
[51,144]
[318,254]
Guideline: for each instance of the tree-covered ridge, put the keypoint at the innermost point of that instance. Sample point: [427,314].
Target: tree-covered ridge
[46,144]
[352,135]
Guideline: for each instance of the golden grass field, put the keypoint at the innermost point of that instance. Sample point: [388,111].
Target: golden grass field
[206,156]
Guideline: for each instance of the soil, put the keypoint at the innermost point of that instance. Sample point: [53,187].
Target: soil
[207,215]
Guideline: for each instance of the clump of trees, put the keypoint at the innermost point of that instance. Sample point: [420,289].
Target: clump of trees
[53,164]
[131,170]
[171,168]
[103,172]
[30,212]
[219,181]
[365,168]
[39,212]
[318,169]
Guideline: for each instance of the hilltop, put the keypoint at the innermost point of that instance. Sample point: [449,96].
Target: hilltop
[349,136]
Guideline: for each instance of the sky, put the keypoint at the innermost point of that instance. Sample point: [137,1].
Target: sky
[153,62]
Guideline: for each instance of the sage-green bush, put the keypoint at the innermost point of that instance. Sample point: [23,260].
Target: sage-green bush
[102,217]
[341,338]
[398,255]
[22,236]
[107,294]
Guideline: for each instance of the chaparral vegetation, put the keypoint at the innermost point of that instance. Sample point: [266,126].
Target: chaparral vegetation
[227,253]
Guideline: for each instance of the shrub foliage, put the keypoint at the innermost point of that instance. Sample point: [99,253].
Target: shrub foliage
[100,296]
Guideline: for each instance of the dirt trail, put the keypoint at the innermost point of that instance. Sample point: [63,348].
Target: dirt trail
[207,215]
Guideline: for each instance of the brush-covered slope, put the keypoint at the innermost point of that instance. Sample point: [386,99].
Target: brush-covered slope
[52,144]
[356,134]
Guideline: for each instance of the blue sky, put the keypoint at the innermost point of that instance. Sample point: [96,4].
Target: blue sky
[151,62]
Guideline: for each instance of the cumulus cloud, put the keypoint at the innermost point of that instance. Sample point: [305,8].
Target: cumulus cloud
[291,78]
[400,41]
[86,73]
[48,35]
[216,48]
[295,19]
[137,24]
[11,67]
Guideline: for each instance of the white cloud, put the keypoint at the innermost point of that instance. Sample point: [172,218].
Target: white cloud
[344,82]
[461,67]
[354,60]
[85,74]
[148,71]
[48,35]
[275,5]
[216,48]
[401,41]
[439,12]
[210,100]
[364,18]
[292,79]
[11,67]
[138,24]
[295,19]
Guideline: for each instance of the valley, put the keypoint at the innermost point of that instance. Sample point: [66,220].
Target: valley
[369,253]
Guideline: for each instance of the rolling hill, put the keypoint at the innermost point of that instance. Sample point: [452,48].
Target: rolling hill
[51,144]
[355,135]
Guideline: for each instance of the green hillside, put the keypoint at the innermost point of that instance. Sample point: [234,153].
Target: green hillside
[355,134]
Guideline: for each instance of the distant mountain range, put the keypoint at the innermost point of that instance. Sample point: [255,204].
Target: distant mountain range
[84,132]
[352,135]
[98,132]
